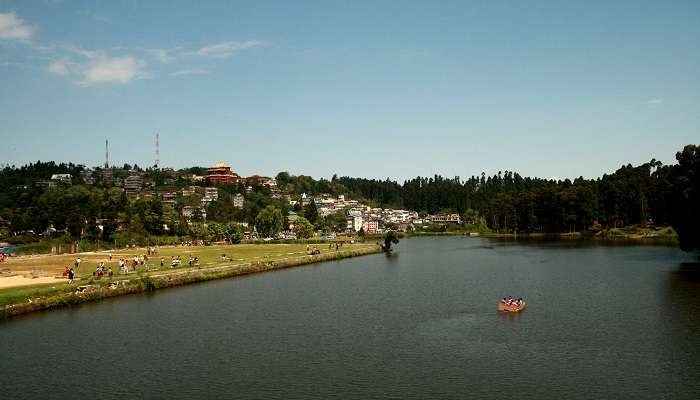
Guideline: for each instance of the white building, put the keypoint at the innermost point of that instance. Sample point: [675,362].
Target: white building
[355,223]
[238,200]
[211,192]
[64,178]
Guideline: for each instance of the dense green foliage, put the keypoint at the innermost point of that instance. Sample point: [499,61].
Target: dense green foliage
[269,221]
[303,228]
[505,202]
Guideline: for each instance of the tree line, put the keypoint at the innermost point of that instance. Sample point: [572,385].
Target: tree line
[651,193]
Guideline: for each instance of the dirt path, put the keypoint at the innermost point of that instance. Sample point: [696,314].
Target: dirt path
[19,280]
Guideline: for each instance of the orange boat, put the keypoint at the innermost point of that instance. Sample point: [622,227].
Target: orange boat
[510,308]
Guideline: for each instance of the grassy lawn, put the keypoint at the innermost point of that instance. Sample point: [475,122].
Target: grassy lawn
[209,256]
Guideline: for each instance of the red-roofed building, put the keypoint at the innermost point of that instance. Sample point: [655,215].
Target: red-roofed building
[221,173]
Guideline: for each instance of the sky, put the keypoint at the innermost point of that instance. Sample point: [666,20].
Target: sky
[376,89]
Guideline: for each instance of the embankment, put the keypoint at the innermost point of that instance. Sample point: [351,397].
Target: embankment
[154,282]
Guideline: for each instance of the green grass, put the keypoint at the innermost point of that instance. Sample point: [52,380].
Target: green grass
[209,257]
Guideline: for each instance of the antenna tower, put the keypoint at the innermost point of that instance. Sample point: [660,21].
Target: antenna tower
[106,153]
[157,152]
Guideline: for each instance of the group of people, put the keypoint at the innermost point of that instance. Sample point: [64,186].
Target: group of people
[336,244]
[101,270]
[68,273]
[128,265]
[510,301]
[312,252]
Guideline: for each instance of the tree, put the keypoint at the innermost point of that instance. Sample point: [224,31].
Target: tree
[389,239]
[233,232]
[303,228]
[216,230]
[337,221]
[199,231]
[269,221]
[197,215]
[222,210]
[685,208]
[311,213]
[283,179]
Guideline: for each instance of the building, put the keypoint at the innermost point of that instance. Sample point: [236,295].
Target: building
[443,219]
[355,212]
[188,211]
[188,191]
[107,176]
[45,184]
[63,178]
[196,178]
[210,194]
[170,198]
[238,200]
[87,176]
[221,173]
[261,181]
[133,185]
[355,223]
[370,226]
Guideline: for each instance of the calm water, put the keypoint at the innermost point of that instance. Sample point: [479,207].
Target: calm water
[601,322]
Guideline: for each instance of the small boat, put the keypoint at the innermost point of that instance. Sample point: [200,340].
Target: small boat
[511,307]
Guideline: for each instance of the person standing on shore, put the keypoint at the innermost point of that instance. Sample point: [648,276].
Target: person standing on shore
[71,274]
[77,263]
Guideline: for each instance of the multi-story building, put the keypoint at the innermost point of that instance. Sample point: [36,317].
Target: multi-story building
[87,177]
[211,193]
[446,219]
[107,176]
[221,173]
[189,190]
[188,211]
[238,200]
[355,223]
[370,226]
[261,180]
[63,178]
[133,184]
[170,198]
[45,184]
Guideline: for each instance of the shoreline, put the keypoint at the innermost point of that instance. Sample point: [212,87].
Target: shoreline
[161,281]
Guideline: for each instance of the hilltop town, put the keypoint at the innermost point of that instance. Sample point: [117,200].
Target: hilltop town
[202,204]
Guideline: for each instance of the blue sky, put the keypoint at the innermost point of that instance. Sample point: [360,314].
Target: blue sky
[372,89]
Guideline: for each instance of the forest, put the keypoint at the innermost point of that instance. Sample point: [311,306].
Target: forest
[647,194]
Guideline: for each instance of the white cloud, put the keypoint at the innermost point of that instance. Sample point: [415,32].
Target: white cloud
[13,28]
[60,67]
[226,49]
[160,55]
[190,71]
[113,70]
[92,54]
[655,102]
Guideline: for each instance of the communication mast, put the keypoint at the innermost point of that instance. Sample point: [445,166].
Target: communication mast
[106,153]
[157,152]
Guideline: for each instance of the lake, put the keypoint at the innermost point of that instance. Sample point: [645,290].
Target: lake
[602,321]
